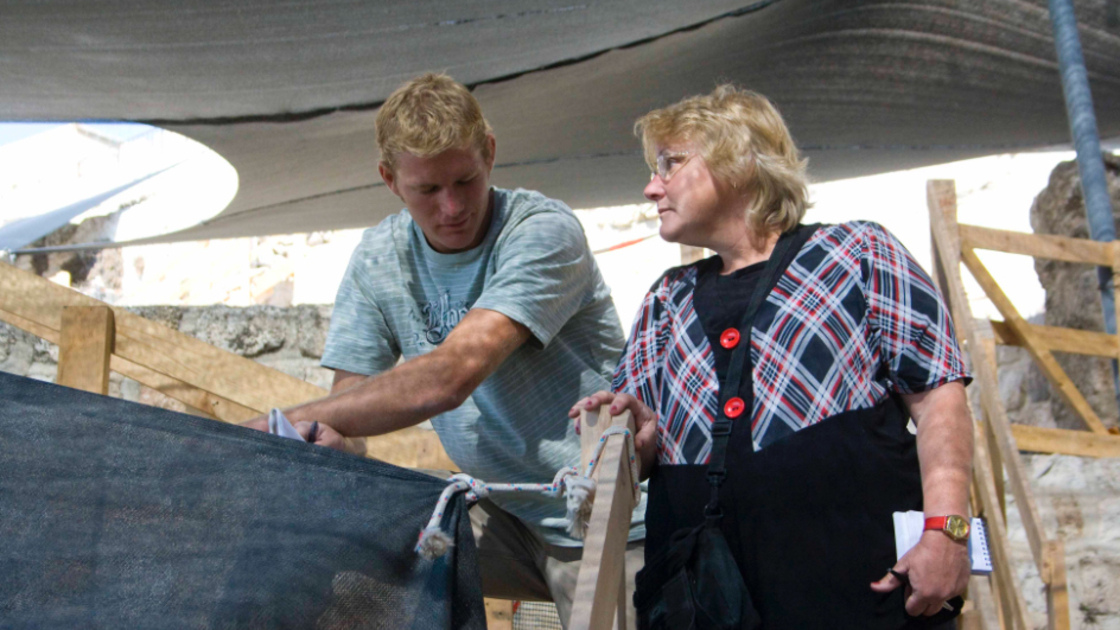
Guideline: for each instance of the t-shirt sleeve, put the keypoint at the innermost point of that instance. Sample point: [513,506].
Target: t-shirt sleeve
[359,339]
[916,334]
[544,274]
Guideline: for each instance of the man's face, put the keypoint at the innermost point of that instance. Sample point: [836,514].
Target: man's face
[448,195]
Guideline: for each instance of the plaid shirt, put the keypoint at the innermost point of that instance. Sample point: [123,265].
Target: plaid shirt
[852,318]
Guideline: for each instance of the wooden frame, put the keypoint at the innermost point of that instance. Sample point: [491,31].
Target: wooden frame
[209,380]
[996,448]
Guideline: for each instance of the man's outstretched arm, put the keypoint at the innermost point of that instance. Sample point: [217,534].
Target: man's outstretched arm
[421,388]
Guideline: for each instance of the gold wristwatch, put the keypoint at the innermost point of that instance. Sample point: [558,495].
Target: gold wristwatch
[954,526]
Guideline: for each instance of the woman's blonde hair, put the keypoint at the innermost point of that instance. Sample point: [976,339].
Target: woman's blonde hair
[745,143]
[428,115]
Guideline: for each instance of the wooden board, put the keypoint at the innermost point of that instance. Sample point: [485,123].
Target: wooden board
[1047,246]
[1004,585]
[84,347]
[159,348]
[1057,339]
[1057,589]
[1065,441]
[603,567]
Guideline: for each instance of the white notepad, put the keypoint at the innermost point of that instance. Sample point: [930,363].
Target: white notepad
[908,528]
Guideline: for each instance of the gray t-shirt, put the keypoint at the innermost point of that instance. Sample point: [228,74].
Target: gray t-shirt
[401,297]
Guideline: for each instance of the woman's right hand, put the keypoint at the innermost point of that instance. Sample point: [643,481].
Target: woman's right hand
[645,440]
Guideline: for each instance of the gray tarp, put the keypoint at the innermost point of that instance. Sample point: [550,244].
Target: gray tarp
[116,515]
[287,92]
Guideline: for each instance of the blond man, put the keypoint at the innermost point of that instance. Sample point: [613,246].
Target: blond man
[497,306]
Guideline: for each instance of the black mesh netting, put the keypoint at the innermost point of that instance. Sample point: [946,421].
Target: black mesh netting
[117,515]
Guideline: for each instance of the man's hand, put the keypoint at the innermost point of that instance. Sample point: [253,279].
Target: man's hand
[937,568]
[324,435]
[645,440]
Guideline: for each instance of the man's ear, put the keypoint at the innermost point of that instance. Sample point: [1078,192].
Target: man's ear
[491,148]
[389,177]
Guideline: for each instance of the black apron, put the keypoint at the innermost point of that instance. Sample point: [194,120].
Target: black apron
[808,518]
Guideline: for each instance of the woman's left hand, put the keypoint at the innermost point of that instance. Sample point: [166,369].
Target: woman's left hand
[645,420]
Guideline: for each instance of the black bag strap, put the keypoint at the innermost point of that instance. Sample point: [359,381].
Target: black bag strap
[786,249]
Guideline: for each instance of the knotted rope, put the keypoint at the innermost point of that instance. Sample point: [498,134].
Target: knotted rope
[579,490]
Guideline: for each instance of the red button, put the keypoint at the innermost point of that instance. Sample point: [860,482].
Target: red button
[729,339]
[734,407]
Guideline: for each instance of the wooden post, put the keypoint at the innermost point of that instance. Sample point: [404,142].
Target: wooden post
[85,345]
[597,604]
[988,353]
[499,614]
[1057,593]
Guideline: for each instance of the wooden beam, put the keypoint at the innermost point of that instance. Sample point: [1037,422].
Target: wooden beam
[499,614]
[1047,246]
[1065,441]
[1056,339]
[84,347]
[159,348]
[1057,591]
[1004,586]
[1042,357]
[988,347]
[943,212]
[602,570]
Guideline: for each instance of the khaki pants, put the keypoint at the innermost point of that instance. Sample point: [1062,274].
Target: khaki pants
[516,563]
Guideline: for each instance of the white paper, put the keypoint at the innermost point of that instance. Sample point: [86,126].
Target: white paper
[278,424]
[908,528]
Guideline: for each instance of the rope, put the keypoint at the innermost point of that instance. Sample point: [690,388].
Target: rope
[579,491]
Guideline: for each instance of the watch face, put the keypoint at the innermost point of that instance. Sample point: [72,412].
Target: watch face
[957,527]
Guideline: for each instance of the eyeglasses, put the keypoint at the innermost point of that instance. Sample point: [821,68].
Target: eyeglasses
[669,163]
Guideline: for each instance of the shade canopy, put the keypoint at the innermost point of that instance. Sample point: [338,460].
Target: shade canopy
[288,92]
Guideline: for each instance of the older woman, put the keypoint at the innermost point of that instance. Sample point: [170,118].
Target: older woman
[801,438]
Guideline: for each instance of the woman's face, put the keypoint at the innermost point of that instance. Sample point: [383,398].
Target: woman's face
[695,208]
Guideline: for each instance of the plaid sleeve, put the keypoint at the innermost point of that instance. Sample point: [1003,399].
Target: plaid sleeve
[639,370]
[915,331]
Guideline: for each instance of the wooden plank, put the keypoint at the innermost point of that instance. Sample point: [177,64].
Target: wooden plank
[1048,246]
[943,212]
[1065,441]
[239,379]
[159,348]
[85,344]
[1056,339]
[210,404]
[1004,585]
[1042,357]
[499,614]
[602,568]
[1057,590]
[988,347]
[43,332]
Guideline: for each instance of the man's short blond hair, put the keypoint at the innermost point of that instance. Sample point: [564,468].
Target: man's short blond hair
[746,144]
[428,115]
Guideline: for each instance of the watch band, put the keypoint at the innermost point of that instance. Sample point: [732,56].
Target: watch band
[954,526]
[937,523]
